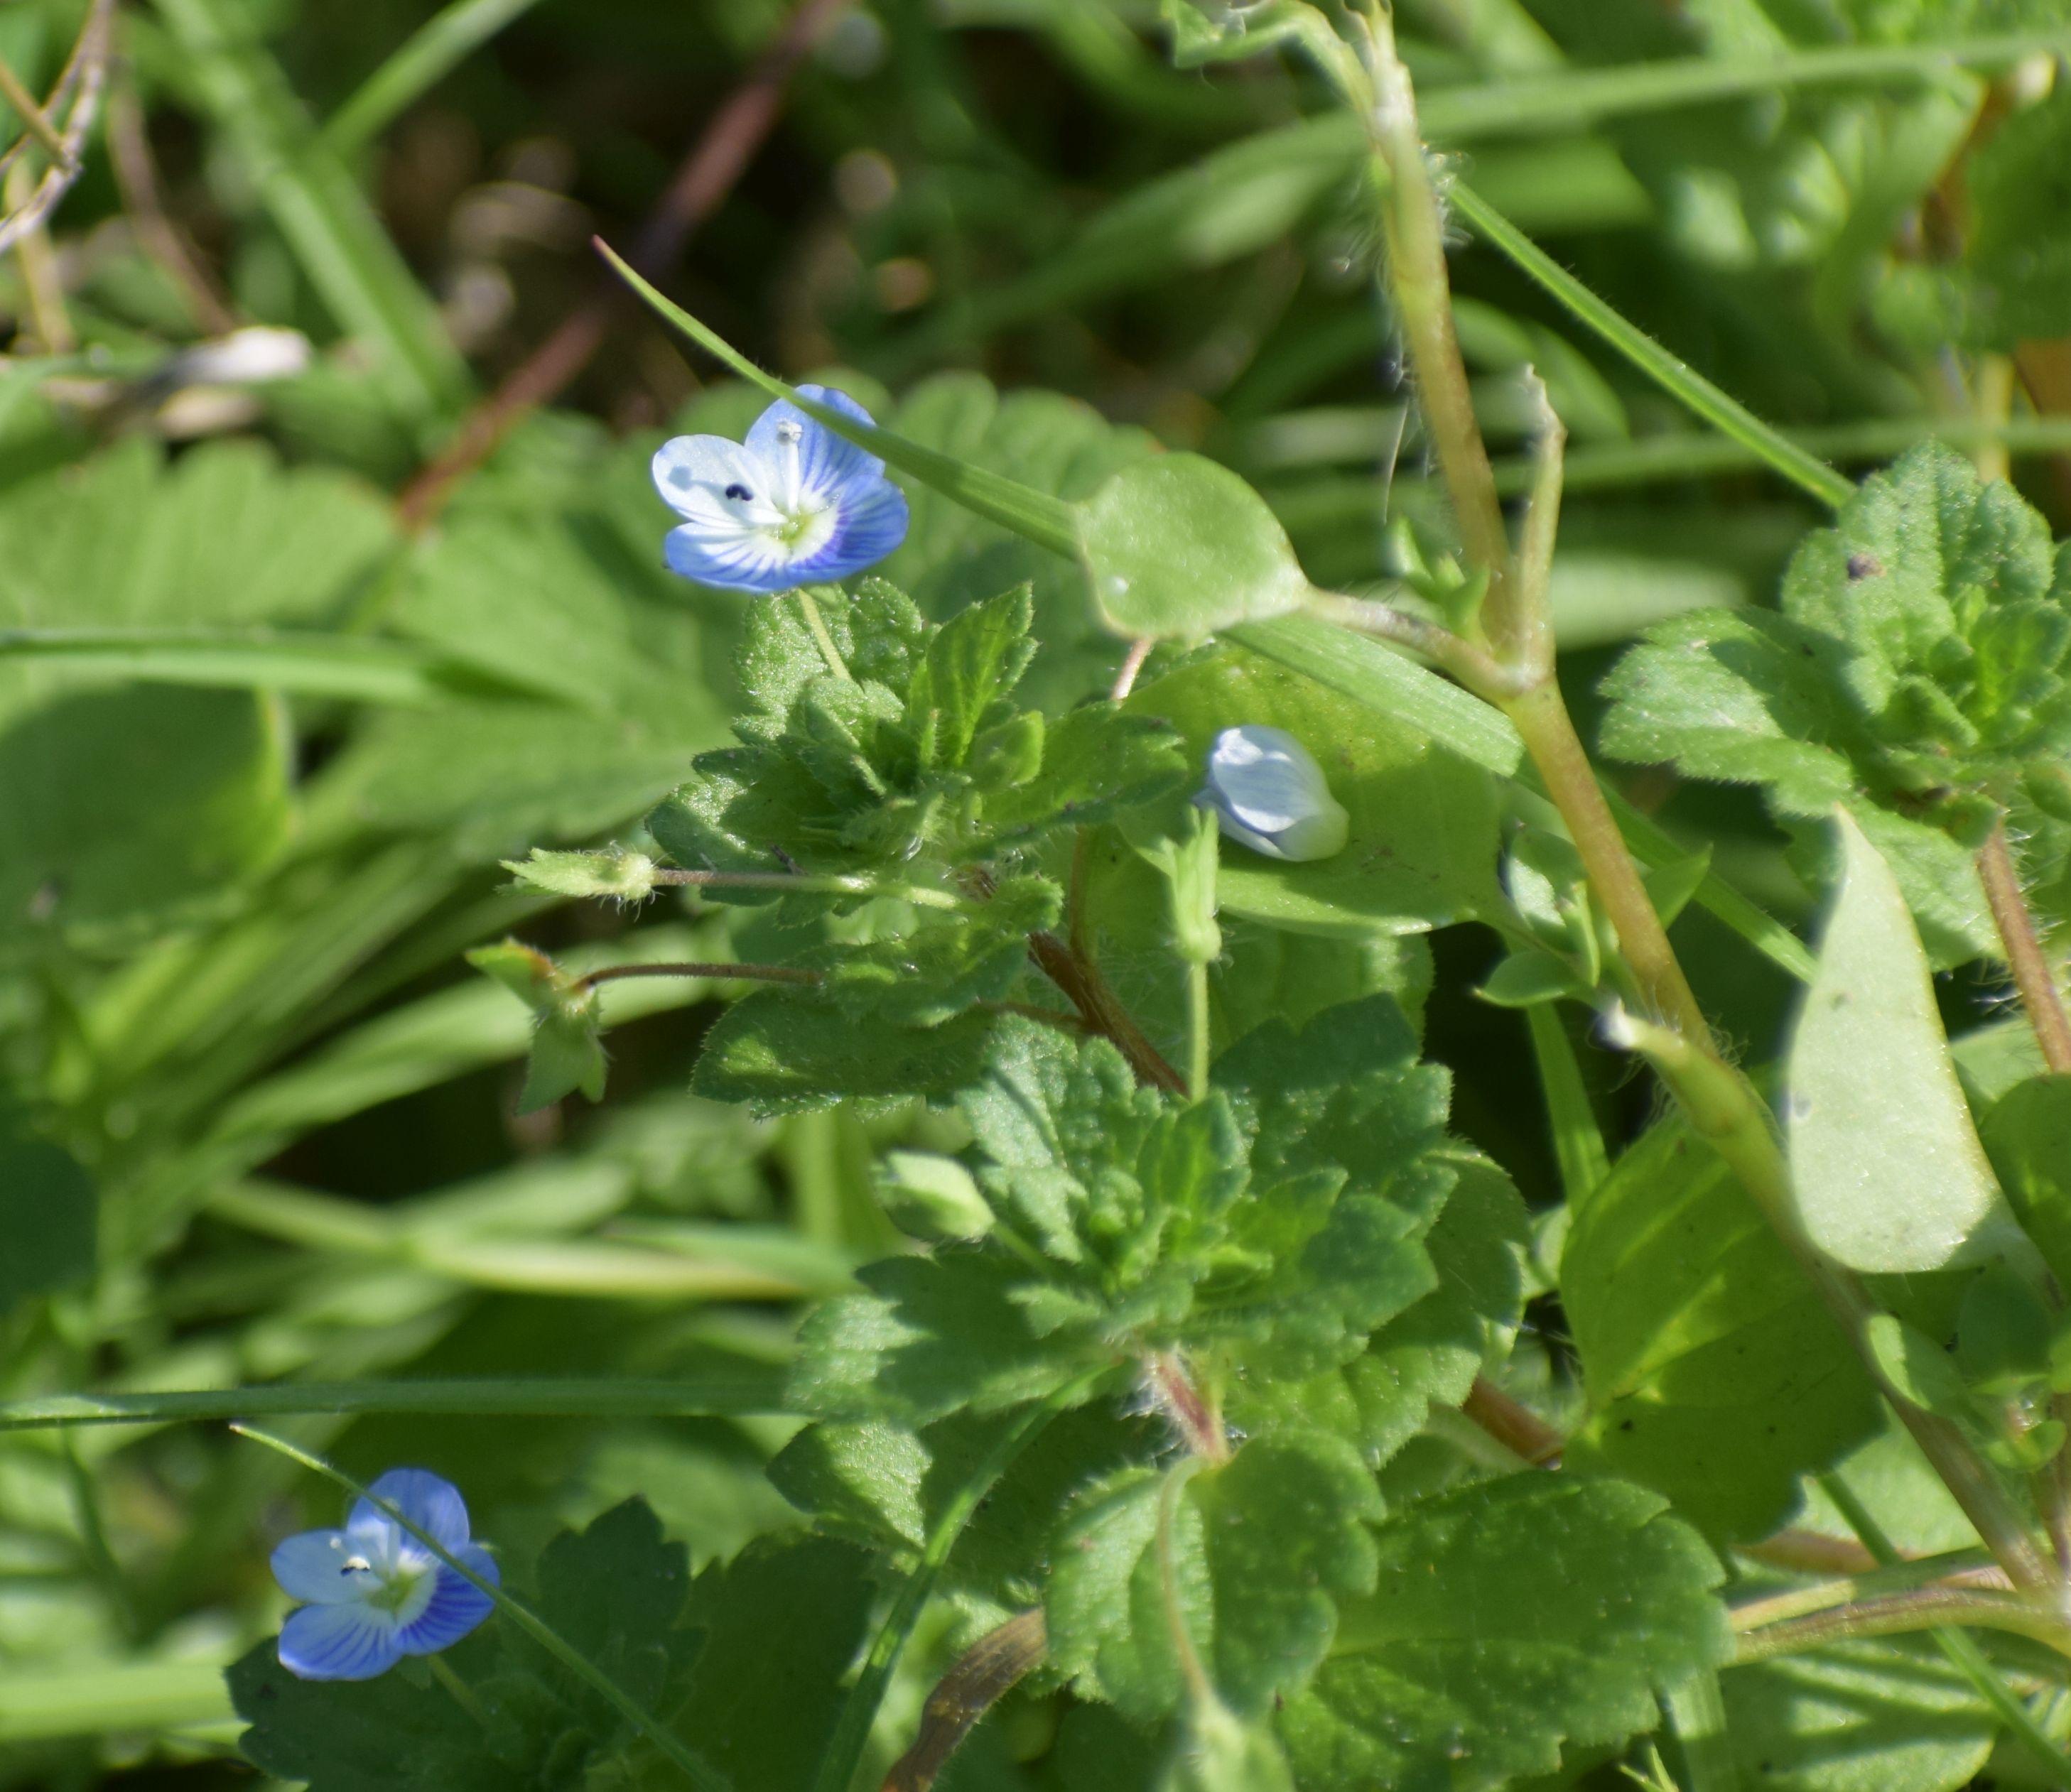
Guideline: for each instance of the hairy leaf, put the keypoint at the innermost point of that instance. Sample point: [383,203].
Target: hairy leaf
[1509,1619]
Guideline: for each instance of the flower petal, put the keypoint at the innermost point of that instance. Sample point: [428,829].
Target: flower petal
[1270,795]
[338,1642]
[311,1567]
[827,462]
[748,561]
[429,1502]
[456,1605]
[692,472]
[865,531]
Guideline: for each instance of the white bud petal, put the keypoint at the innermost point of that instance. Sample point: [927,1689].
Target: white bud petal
[1269,795]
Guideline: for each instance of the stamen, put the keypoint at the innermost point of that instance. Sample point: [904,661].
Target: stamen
[739,493]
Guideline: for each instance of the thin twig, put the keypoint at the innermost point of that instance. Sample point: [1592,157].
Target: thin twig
[707,174]
[2025,957]
[137,179]
[1086,991]
[1132,664]
[40,128]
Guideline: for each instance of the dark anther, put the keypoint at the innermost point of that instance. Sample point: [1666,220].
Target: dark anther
[741,492]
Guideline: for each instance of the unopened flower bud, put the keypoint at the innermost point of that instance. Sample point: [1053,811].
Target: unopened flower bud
[1269,794]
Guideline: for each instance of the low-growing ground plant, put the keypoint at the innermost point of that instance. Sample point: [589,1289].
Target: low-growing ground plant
[1010,1260]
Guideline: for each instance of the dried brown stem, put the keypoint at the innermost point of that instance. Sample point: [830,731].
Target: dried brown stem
[707,175]
[719,973]
[1513,1425]
[1086,991]
[983,1674]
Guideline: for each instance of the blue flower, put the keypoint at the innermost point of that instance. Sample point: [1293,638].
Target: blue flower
[1269,794]
[794,505]
[373,1593]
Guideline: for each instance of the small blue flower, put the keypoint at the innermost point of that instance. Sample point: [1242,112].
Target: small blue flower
[373,1593]
[794,505]
[1269,794]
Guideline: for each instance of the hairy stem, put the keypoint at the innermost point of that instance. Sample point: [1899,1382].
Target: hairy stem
[1926,1609]
[1472,665]
[1088,991]
[2024,954]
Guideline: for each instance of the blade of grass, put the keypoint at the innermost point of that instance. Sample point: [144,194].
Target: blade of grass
[102,1698]
[1049,521]
[1676,378]
[432,52]
[699,1771]
[1578,1145]
[319,207]
[733,1395]
[1958,1646]
[356,668]
[1579,97]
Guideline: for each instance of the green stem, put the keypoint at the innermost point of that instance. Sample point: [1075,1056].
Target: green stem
[1200,1688]
[689,1397]
[431,52]
[1471,665]
[1961,1650]
[1697,1714]
[1197,1029]
[1578,1143]
[837,1766]
[832,654]
[2033,976]
[1676,377]
[463,1694]
[718,972]
[1928,1609]
[700,1771]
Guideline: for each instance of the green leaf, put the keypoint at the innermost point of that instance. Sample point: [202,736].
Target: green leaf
[779,1051]
[1917,673]
[1217,1751]
[783,1623]
[1142,1223]
[49,1218]
[976,659]
[123,808]
[1098,762]
[2028,1135]
[1261,1551]
[2017,264]
[1886,1715]
[1917,1367]
[1885,1164]
[1713,1372]
[1489,1643]
[567,1054]
[1180,546]
[1421,848]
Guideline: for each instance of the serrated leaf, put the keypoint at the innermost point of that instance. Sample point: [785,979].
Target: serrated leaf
[783,1623]
[1713,1372]
[1259,1550]
[1098,761]
[976,659]
[1510,1619]
[1885,1164]
[1917,673]
[1421,848]
[779,1051]
[1180,546]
